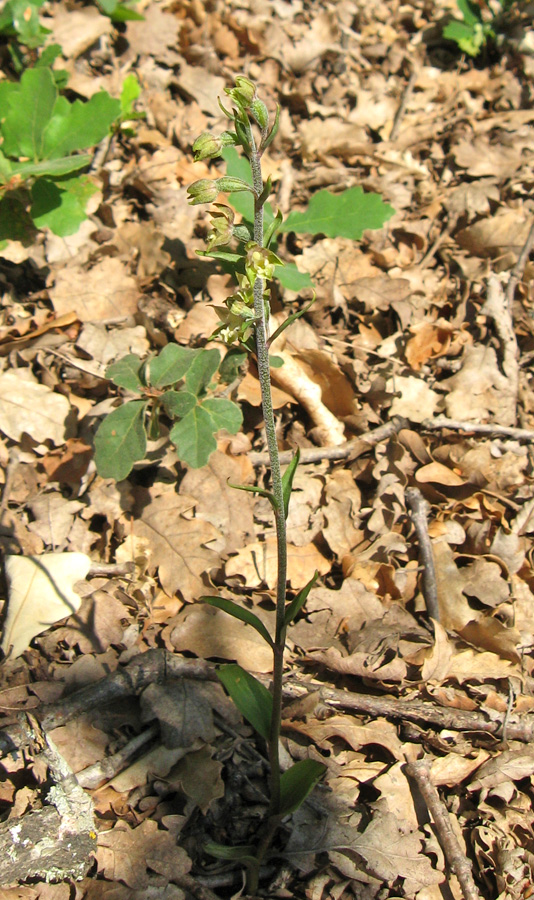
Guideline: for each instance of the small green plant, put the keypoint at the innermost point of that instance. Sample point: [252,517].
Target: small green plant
[482,23]
[42,142]
[182,384]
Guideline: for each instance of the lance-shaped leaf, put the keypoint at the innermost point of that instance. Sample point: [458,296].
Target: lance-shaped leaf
[125,373]
[253,489]
[290,319]
[340,215]
[297,782]
[298,602]
[238,612]
[287,480]
[121,440]
[244,854]
[252,699]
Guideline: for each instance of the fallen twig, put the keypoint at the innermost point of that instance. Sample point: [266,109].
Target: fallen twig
[419,515]
[517,272]
[516,434]
[456,858]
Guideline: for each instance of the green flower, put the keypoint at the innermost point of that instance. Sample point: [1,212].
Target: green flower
[222,226]
[260,262]
[203,191]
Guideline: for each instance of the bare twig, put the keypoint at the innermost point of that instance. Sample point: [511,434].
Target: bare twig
[517,271]
[515,434]
[112,569]
[420,509]
[456,858]
[96,775]
[351,450]
[399,115]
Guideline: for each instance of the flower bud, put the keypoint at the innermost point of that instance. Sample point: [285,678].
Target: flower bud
[243,93]
[229,184]
[222,226]
[207,146]
[260,113]
[203,191]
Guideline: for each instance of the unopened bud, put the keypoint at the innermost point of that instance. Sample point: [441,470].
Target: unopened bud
[228,184]
[243,93]
[203,191]
[260,113]
[207,146]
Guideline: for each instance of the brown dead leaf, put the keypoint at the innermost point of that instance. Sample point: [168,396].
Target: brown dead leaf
[125,853]
[211,633]
[380,732]
[257,563]
[105,291]
[496,235]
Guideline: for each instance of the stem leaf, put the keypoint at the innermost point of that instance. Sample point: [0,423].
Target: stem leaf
[290,319]
[298,602]
[253,489]
[287,480]
[252,699]
[244,854]
[297,782]
[239,612]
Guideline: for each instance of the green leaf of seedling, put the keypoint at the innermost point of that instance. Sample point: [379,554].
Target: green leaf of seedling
[287,480]
[289,321]
[178,403]
[224,414]
[297,782]
[130,92]
[52,167]
[244,854]
[289,277]
[293,608]
[232,363]
[202,370]
[121,440]
[171,365]
[77,126]
[119,12]
[60,204]
[15,223]
[254,489]
[470,12]
[125,373]
[193,436]
[29,109]
[244,615]
[252,699]
[340,215]
[469,38]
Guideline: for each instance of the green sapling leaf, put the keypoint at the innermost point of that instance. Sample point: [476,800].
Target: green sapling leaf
[224,413]
[30,104]
[125,373]
[178,403]
[238,612]
[252,699]
[297,782]
[121,440]
[60,204]
[171,365]
[287,480]
[193,436]
[291,278]
[53,167]
[293,608]
[202,370]
[76,126]
[340,215]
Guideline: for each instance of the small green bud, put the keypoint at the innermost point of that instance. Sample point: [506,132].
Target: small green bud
[229,184]
[203,191]
[260,113]
[207,146]
[243,93]
[222,226]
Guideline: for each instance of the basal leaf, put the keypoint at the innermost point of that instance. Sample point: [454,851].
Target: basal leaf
[121,440]
[239,612]
[244,853]
[60,204]
[297,782]
[77,126]
[171,364]
[224,414]
[178,403]
[340,215]
[202,370]
[129,93]
[193,437]
[252,699]
[29,111]
[125,373]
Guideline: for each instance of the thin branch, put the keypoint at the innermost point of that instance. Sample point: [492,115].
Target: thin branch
[456,858]
[519,268]
[399,115]
[516,434]
[420,509]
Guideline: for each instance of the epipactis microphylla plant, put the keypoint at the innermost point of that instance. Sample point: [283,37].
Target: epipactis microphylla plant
[245,319]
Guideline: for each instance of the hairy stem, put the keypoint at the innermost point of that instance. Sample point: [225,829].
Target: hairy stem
[262,351]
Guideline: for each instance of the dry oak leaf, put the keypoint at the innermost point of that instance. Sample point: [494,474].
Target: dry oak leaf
[416,401]
[496,235]
[27,407]
[328,612]
[360,664]
[106,291]
[257,562]
[379,731]
[125,853]
[177,543]
[212,633]
[479,389]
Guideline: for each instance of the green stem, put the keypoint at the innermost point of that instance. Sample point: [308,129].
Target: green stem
[262,352]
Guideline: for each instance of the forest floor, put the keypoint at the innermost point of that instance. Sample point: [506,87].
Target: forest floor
[421,341]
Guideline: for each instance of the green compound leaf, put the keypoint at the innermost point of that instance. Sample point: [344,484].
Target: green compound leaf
[293,608]
[30,105]
[178,403]
[340,215]
[252,699]
[121,440]
[238,612]
[171,365]
[202,370]
[297,782]
[125,373]
[193,436]
[61,204]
